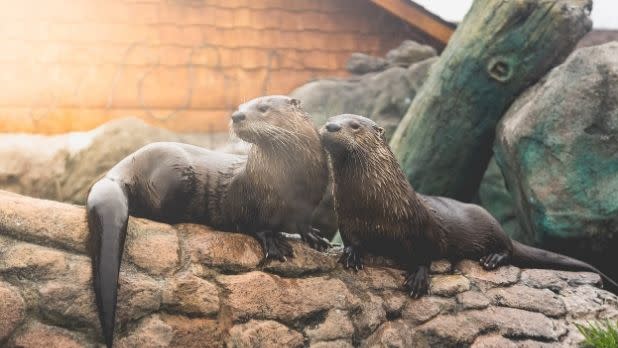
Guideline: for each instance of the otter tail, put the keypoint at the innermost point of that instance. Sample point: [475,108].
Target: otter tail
[108,213]
[530,257]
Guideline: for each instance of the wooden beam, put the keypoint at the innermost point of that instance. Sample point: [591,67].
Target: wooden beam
[417,18]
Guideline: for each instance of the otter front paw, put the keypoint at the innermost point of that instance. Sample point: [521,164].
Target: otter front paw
[351,258]
[417,282]
[314,240]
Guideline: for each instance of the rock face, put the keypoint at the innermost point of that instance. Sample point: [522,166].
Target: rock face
[361,63]
[409,52]
[558,146]
[383,96]
[189,286]
[63,167]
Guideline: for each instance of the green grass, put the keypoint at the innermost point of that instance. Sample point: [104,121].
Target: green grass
[600,335]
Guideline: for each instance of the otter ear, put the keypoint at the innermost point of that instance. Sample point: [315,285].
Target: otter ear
[380,131]
[295,102]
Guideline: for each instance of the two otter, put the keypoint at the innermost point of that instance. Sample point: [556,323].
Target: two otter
[380,213]
[275,188]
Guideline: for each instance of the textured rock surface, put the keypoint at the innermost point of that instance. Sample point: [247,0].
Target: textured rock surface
[189,286]
[409,52]
[361,63]
[558,147]
[63,167]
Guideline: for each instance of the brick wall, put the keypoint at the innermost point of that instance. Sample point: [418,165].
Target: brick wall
[183,64]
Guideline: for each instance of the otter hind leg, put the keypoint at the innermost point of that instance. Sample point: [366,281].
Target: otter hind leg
[351,258]
[275,246]
[494,260]
[417,282]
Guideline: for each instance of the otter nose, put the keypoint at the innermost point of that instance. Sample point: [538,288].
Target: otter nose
[333,127]
[238,116]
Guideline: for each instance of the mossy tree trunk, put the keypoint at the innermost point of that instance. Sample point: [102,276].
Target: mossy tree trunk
[502,46]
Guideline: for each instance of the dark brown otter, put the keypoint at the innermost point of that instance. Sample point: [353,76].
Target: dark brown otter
[380,213]
[275,188]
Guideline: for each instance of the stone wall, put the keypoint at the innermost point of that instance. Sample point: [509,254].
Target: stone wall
[189,286]
[181,64]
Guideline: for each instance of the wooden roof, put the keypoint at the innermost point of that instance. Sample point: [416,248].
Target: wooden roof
[420,18]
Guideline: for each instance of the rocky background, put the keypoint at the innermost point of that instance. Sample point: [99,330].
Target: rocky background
[204,288]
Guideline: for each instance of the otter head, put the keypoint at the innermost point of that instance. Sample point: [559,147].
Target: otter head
[270,119]
[350,135]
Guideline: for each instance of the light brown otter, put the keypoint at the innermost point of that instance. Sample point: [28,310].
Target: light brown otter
[274,189]
[380,213]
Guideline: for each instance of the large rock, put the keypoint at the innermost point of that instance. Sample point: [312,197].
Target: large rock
[207,288]
[558,148]
[62,167]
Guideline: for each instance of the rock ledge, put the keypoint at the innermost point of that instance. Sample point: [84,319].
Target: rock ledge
[189,286]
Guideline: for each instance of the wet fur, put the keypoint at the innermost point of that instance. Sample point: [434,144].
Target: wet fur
[379,212]
[275,188]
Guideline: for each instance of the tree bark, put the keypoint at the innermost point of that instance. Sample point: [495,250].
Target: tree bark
[502,47]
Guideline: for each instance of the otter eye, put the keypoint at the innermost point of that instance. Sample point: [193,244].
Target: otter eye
[263,108]
[354,125]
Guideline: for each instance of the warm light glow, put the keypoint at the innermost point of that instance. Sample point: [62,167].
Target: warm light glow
[184,65]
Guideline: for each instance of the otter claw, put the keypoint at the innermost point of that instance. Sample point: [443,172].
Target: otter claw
[417,283]
[351,258]
[276,247]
